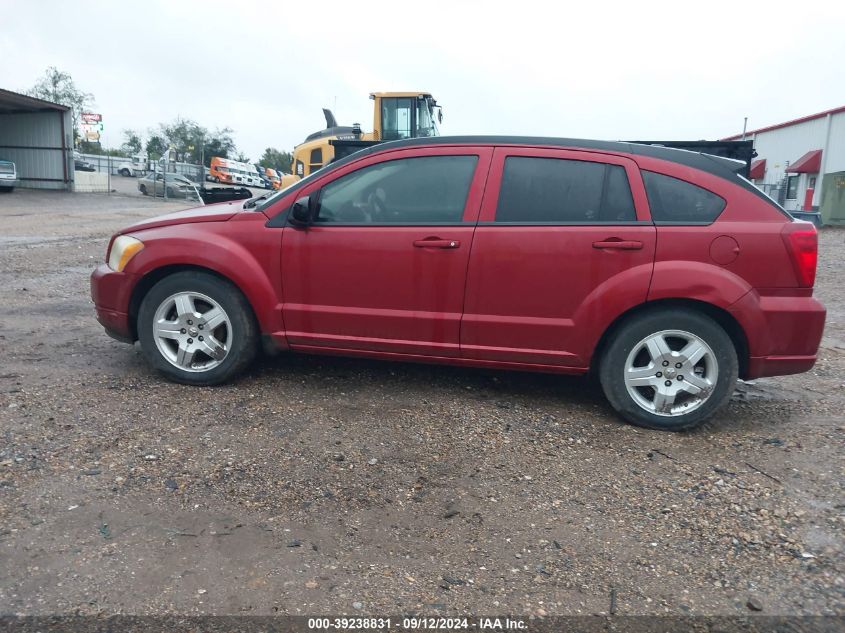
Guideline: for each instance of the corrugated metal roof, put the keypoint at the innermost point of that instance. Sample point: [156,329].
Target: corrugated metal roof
[16,102]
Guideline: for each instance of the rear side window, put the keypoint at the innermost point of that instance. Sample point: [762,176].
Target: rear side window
[673,200]
[424,190]
[561,191]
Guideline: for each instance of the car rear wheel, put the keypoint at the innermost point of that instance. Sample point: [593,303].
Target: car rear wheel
[197,329]
[670,369]
[124,172]
[143,189]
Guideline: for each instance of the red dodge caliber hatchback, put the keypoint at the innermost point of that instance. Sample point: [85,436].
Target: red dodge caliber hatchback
[659,269]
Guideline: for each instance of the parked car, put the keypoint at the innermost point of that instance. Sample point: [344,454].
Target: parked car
[8,176]
[178,186]
[83,165]
[660,270]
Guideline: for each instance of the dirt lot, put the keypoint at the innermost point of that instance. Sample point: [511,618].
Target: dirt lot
[319,485]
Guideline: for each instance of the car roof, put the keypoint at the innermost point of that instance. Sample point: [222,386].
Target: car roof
[698,160]
[726,168]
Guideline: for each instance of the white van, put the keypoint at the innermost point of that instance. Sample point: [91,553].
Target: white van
[8,175]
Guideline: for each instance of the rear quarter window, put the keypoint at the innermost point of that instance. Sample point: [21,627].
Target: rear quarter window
[675,201]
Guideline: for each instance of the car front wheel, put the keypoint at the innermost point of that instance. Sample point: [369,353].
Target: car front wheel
[197,329]
[669,369]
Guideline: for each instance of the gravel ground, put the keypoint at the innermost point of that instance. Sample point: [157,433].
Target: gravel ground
[320,485]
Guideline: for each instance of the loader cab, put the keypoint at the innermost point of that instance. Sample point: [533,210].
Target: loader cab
[399,115]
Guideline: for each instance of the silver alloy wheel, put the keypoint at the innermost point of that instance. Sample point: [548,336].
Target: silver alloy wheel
[192,331]
[671,372]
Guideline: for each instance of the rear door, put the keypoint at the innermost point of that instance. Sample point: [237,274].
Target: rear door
[564,243]
[384,266]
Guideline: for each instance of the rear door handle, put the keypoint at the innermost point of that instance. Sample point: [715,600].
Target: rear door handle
[436,242]
[622,245]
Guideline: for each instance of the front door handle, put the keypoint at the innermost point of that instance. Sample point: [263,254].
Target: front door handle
[436,242]
[622,245]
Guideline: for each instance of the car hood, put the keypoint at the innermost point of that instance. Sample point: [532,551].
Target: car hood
[211,213]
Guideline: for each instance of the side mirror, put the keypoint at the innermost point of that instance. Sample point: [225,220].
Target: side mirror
[302,211]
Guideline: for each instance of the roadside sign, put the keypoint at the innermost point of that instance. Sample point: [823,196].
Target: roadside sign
[91,117]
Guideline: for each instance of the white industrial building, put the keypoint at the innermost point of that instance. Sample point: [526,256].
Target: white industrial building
[801,163]
[37,136]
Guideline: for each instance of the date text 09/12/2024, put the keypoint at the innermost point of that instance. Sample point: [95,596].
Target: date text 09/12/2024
[417,623]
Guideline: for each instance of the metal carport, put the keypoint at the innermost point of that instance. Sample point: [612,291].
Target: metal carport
[37,136]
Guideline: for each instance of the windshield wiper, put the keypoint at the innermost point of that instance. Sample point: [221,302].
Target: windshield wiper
[249,204]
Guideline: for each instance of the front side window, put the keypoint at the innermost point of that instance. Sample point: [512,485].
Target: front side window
[561,191]
[424,190]
[792,188]
[673,200]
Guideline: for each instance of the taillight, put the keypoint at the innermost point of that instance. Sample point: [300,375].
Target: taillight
[802,242]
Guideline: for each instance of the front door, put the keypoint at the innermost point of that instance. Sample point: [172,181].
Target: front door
[563,240]
[383,267]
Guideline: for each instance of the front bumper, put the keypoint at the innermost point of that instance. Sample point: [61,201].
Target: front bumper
[111,292]
[783,333]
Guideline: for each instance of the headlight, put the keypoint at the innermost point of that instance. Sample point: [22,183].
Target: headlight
[123,249]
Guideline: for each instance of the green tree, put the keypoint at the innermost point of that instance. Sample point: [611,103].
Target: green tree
[194,143]
[156,146]
[273,158]
[131,142]
[218,143]
[241,157]
[58,86]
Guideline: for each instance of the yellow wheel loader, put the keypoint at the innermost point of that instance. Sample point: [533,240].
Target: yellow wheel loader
[396,115]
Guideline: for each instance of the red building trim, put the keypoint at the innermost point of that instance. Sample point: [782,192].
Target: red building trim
[777,126]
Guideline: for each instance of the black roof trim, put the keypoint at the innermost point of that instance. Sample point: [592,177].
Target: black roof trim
[722,167]
[696,160]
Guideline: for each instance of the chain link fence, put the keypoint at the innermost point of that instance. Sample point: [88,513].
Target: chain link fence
[164,179]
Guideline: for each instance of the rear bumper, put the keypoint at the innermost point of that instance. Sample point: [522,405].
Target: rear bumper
[759,367]
[783,333]
[9,183]
[111,292]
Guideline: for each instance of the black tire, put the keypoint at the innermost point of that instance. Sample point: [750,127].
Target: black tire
[640,326]
[143,189]
[245,334]
[124,172]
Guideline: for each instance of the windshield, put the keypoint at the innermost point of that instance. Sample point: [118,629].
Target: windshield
[271,198]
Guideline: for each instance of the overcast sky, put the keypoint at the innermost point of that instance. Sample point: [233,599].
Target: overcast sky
[591,69]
